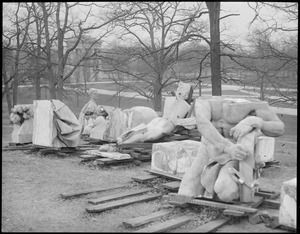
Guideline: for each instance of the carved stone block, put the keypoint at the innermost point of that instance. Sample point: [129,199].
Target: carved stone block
[265,149]
[288,203]
[23,133]
[174,157]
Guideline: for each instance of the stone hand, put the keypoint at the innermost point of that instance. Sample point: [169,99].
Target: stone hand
[239,131]
[236,151]
[245,126]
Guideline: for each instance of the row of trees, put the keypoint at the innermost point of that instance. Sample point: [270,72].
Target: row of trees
[152,42]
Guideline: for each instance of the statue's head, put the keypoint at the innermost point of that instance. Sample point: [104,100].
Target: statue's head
[93,93]
[183,90]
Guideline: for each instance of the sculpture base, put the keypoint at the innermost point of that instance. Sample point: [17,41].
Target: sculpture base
[175,157]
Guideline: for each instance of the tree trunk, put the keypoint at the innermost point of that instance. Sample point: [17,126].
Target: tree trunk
[50,76]
[262,94]
[214,21]
[157,97]
[37,66]
[15,90]
[60,54]
[6,88]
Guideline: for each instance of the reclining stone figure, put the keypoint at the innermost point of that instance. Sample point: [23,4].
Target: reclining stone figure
[223,124]
[177,107]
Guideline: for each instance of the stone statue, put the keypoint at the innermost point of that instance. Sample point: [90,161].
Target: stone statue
[90,112]
[224,123]
[175,108]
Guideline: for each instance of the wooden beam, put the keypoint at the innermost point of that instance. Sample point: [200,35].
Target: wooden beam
[99,200]
[112,161]
[161,227]
[173,186]
[271,204]
[211,226]
[164,175]
[138,221]
[89,156]
[234,213]
[76,193]
[120,203]
[216,204]
[257,201]
[268,195]
[146,145]
[144,178]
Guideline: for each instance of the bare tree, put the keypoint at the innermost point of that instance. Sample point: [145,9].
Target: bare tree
[272,58]
[214,22]
[155,32]
[13,45]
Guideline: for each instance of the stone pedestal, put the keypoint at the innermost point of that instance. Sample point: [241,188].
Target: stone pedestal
[23,133]
[288,203]
[265,149]
[174,157]
[44,130]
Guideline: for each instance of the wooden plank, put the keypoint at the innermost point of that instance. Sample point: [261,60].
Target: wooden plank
[164,175]
[257,201]
[235,213]
[161,227]
[144,178]
[211,226]
[268,195]
[173,186]
[99,200]
[271,204]
[216,204]
[16,148]
[145,158]
[145,145]
[135,155]
[106,161]
[89,157]
[120,203]
[138,221]
[76,193]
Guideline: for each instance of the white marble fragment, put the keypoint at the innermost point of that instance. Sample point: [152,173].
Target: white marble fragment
[288,203]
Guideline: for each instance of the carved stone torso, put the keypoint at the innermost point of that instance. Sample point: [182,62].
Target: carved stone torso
[226,113]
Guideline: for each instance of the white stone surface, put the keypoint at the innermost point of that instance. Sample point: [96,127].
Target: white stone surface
[265,147]
[23,133]
[99,130]
[43,128]
[174,157]
[288,203]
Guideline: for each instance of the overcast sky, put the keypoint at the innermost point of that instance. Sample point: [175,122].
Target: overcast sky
[238,26]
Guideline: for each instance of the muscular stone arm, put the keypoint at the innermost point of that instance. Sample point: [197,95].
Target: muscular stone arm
[265,120]
[203,114]
[271,124]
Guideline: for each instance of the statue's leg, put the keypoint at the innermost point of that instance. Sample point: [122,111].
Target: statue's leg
[190,184]
[225,187]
